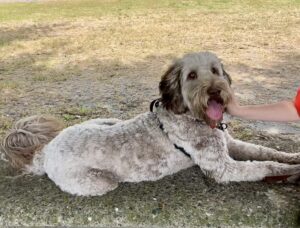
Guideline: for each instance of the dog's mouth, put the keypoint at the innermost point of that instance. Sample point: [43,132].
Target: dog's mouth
[214,110]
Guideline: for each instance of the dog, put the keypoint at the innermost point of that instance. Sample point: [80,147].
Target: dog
[180,131]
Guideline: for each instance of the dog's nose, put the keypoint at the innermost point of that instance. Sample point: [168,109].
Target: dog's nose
[213,91]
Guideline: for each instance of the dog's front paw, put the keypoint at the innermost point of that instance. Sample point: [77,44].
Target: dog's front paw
[295,179]
[295,158]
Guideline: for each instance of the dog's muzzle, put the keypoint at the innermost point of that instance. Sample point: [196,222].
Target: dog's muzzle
[215,108]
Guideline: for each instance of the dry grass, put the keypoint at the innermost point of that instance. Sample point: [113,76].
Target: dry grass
[95,54]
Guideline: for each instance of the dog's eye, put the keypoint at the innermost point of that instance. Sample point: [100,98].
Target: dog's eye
[192,75]
[214,70]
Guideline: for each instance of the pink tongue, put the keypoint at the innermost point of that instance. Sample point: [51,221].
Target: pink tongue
[214,110]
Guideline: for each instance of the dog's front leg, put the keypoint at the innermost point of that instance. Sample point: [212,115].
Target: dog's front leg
[255,171]
[215,162]
[243,151]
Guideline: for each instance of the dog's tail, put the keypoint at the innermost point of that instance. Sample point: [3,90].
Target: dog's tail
[22,146]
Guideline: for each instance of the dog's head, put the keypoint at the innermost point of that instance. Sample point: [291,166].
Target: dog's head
[197,83]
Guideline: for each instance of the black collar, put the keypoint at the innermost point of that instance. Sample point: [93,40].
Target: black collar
[221,126]
[154,103]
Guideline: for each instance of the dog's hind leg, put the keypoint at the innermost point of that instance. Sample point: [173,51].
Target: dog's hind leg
[90,182]
[243,151]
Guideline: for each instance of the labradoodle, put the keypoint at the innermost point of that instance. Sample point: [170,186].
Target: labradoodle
[183,129]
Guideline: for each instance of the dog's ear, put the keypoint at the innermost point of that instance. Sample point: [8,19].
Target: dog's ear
[227,76]
[170,89]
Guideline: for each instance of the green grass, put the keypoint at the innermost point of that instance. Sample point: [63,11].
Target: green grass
[50,77]
[50,10]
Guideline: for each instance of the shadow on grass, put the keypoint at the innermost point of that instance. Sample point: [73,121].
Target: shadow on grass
[278,80]
[87,84]
[184,198]
[121,89]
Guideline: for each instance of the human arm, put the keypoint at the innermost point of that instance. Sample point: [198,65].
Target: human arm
[281,111]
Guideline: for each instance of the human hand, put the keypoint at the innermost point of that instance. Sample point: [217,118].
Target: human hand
[233,107]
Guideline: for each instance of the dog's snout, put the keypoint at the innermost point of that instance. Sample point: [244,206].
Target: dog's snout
[213,91]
